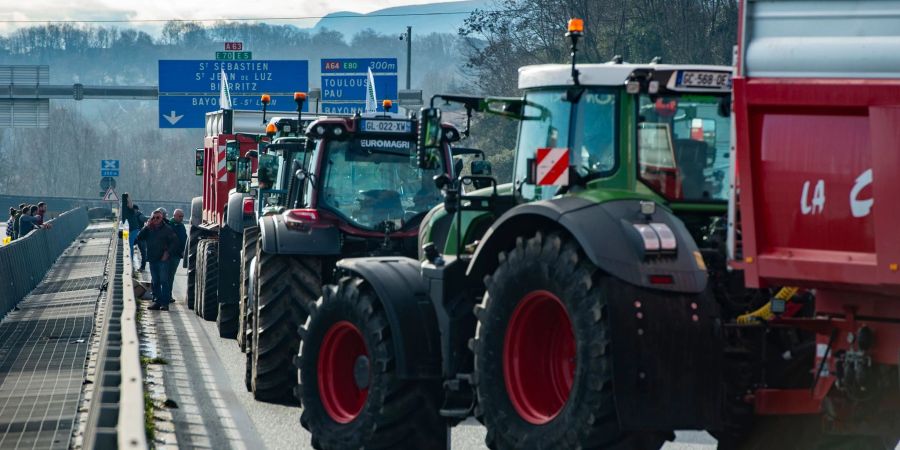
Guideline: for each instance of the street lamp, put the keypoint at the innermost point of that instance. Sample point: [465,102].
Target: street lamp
[408,37]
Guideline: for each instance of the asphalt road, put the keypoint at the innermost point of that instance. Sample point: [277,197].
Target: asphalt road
[205,377]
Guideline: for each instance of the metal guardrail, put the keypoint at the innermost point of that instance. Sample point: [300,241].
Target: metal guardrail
[25,261]
[116,413]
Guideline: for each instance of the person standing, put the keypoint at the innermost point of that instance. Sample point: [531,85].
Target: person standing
[10,232]
[162,244]
[142,246]
[21,211]
[130,216]
[177,224]
[28,222]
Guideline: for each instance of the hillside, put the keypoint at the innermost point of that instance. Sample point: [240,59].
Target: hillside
[389,20]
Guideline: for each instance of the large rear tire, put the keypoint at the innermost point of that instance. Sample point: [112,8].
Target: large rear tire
[248,251]
[542,352]
[349,389]
[209,304]
[287,286]
[200,270]
[192,267]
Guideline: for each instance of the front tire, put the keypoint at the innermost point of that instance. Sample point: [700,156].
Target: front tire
[349,389]
[542,352]
[200,271]
[287,286]
[192,268]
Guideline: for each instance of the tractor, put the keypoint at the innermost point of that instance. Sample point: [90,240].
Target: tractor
[359,190]
[568,309]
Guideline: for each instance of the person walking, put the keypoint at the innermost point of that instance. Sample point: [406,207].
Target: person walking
[130,216]
[177,224]
[162,244]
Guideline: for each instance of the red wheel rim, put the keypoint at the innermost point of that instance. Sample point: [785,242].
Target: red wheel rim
[539,357]
[342,398]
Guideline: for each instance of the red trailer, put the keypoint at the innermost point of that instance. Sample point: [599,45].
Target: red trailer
[817,118]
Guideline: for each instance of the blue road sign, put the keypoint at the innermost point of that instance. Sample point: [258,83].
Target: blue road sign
[109,167]
[359,65]
[353,87]
[106,164]
[244,77]
[344,82]
[188,111]
[188,89]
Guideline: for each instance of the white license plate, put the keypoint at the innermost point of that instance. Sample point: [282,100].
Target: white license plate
[706,79]
[387,126]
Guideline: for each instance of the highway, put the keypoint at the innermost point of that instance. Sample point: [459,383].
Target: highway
[204,377]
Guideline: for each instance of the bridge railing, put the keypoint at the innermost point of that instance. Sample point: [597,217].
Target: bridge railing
[25,261]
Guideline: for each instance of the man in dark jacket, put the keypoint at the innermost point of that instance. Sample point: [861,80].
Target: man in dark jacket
[162,245]
[177,225]
[28,222]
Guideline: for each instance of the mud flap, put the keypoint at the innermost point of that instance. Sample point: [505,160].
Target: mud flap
[667,358]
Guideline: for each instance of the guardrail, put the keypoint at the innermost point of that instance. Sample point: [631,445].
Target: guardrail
[25,261]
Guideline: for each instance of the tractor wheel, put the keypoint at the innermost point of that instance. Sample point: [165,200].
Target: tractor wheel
[248,251]
[542,359]
[227,320]
[192,268]
[287,286]
[209,304]
[349,389]
[201,270]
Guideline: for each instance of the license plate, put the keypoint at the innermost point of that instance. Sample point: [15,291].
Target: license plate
[720,80]
[386,126]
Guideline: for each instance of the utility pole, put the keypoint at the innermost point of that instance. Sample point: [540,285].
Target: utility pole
[408,56]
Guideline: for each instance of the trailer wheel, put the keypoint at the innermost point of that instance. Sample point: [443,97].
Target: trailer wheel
[227,320]
[349,389]
[286,288]
[542,360]
[192,267]
[201,270]
[210,280]
[248,251]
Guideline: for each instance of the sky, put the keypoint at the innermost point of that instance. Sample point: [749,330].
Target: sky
[17,10]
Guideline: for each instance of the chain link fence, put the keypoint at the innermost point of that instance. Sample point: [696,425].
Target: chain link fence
[25,261]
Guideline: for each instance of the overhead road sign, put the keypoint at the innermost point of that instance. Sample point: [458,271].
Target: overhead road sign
[344,82]
[188,89]
[202,76]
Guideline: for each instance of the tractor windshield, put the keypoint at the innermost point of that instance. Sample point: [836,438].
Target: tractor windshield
[683,145]
[547,124]
[374,181]
[273,178]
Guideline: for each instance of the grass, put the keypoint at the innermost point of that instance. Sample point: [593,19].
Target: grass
[149,420]
[145,361]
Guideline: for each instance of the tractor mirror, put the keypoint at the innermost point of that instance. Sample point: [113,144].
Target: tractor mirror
[232,151]
[244,167]
[198,162]
[429,138]
[481,168]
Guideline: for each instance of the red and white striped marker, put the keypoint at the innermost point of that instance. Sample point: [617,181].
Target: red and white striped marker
[552,166]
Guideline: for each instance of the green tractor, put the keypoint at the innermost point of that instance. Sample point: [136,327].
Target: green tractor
[568,309]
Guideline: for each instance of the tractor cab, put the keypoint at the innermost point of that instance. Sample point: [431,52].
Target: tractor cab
[365,172]
[658,130]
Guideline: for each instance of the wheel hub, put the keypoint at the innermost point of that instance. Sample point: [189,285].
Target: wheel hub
[343,372]
[539,357]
